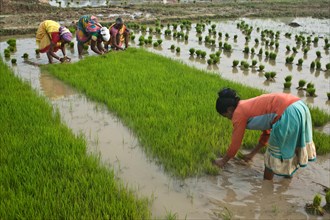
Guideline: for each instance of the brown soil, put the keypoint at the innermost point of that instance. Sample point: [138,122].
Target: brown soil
[23,17]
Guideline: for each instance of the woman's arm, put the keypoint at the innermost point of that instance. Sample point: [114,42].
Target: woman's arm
[94,47]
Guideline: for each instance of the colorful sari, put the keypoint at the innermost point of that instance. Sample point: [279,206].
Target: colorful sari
[48,32]
[88,29]
[114,31]
[291,141]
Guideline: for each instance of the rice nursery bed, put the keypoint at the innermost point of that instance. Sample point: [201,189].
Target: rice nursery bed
[169,106]
[45,172]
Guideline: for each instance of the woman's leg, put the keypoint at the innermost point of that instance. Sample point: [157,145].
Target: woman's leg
[268,174]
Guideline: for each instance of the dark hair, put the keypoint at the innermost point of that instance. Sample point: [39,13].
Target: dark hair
[227,98]
[119,20]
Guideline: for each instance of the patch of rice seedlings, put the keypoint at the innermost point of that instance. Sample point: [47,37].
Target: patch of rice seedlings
[301,84]
[261,67]
[178,49]
[312,65]
[300,62]
[192,51]
[14,61]
[46,163]
[235,63]
[287,85]
[161,115]
[327,66]
[315,207]
[318,54]
[318,65]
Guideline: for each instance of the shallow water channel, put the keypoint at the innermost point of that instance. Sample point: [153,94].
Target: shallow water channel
[238,192]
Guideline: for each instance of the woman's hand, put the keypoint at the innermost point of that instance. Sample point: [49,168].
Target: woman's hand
[248,157]
[220,162]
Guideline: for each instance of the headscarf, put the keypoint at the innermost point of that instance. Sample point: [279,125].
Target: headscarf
[105,34]
[65,34]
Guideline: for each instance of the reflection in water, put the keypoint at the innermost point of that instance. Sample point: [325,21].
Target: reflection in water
[54,88]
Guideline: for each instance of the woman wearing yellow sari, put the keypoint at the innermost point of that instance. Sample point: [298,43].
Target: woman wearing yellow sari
[119,34]
[51,37]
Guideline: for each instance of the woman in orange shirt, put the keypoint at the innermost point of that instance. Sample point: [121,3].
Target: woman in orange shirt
[286,124]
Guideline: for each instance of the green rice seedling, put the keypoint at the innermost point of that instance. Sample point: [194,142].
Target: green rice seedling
[198,53]
[192,51]
[260,52]
[327,46]
[266,53]
[327,66]
[212,55]
[267,75]
[218,53]
[294,49]
[159,41]
[235,63]
[219,34]
[155,44]
[318,54]
[287,85]
[12,42]
[312,66]
[235,37]
[246,49]
[14,61]
[203,54]
[326,207]
[328,95]
[272,55]
[254,63]
[310,85]
[273,75]
[301,84]
[311,92]
[7,54]
[209,61]
[288,78]
[309,40]
[306,50]
[316,40]
[12,49]
[277,44]
[227,35]
[25,56]
[261,67]
[186,37]
[300,62]
[216,60]
[227,47]
[288,48]
[256,41]
[85,47]
[318,65]
[246,65]
[252,50]
[326,40]
[220,44]
[288,35]
[178,49]
[315,208]
[172,47]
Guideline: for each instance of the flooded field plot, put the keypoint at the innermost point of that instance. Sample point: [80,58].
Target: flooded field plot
[239,192]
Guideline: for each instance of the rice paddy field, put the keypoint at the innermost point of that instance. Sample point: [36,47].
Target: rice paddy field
[132,134]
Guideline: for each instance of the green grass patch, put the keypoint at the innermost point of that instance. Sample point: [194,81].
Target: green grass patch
[45,170]
[169,105]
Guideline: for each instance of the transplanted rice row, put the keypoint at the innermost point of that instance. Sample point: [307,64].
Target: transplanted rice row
[169,106]
[45,172]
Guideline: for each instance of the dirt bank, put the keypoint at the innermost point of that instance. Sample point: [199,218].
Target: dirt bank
[18,17]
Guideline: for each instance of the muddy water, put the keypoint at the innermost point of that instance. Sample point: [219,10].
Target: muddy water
[237,192]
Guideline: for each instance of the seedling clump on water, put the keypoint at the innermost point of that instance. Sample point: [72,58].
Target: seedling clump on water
[315,208]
